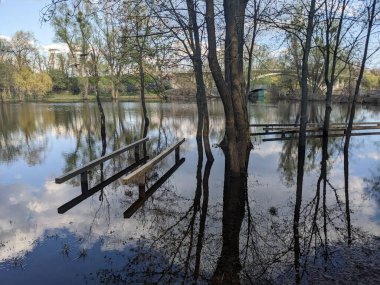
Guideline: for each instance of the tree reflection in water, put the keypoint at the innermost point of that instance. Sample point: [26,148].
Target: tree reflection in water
[180,238]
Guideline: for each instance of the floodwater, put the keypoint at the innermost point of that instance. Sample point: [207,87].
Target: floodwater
[189,229]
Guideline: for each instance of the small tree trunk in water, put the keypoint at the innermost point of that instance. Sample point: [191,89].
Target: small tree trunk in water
[302,137]
[203,118]
[371,18]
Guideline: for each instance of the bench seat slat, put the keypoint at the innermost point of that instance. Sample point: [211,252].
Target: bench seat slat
[97,161]
[146,167]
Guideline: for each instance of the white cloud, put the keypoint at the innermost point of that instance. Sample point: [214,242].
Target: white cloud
[5,38]
[267,149]
[59,47]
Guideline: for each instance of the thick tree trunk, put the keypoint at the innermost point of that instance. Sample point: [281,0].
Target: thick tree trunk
[234,198]
[236,141]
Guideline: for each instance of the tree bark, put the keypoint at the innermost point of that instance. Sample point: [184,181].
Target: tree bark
[302,136]
[236,141]
[142,88]
[371,18]
[203,118]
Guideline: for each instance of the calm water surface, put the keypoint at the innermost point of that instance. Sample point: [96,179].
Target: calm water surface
[177,234]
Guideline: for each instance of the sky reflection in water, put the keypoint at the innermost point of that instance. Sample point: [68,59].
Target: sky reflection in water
[93,242]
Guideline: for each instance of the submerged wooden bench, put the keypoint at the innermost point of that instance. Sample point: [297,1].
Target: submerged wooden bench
[139,174]
[83,171]
[137,171]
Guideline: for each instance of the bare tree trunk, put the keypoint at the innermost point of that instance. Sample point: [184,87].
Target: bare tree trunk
[113,91]
[302,137]
[249,71]
[236,141]
[203,118]
[252,45]
[371,18]
[142,88]
[329,72]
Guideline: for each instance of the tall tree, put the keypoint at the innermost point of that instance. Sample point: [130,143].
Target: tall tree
[72,28]
[370,20]
[187,29]
[306,47]
[236,142]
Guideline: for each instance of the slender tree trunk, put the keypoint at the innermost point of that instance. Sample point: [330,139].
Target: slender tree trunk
[371,18]
[203,118]
[329,72]
[302,136]
[250,51]
[113,91]
[142,88]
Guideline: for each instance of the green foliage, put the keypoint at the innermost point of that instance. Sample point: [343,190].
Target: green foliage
[371,80]
[60,80]
[6,79]
[32,84]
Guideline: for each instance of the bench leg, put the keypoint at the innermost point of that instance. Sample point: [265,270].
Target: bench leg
[177,154]
[137,153]
[84,182]
[141,190]
[144,149]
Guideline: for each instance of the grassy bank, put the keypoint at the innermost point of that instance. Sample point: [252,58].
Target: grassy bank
[72,98]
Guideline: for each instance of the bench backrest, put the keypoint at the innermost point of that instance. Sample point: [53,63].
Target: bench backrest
[97,161]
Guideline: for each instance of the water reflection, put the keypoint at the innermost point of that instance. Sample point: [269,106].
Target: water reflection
[201,225]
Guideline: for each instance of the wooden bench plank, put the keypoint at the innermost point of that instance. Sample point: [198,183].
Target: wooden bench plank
[95,162]
[146,167]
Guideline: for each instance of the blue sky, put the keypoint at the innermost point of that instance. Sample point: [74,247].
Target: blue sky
[24,15]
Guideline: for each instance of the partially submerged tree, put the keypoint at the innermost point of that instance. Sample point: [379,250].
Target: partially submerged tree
[184,24]
[236,142]
[372,12]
